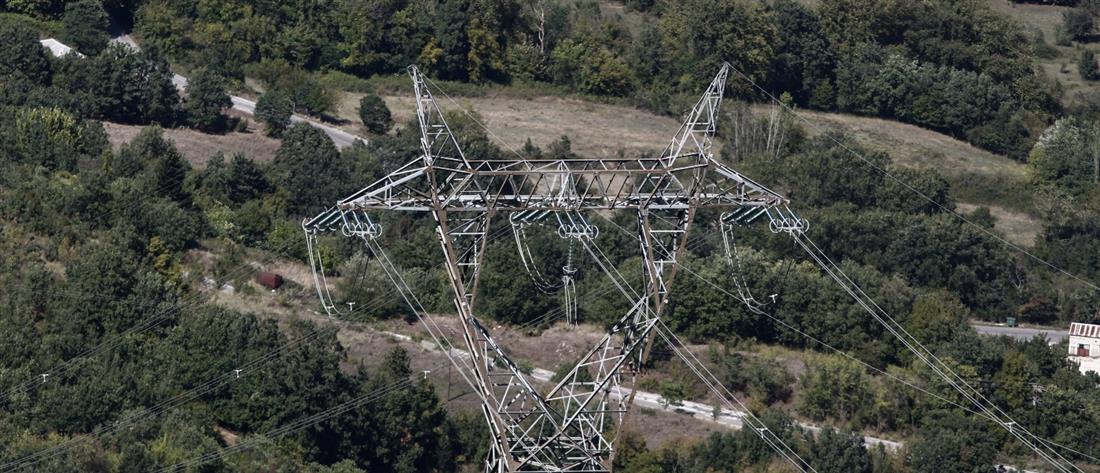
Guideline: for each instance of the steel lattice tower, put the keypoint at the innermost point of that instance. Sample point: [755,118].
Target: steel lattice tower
[573,426]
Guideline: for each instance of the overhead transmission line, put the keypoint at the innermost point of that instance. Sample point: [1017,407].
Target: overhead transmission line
[165,405]
[991,410]
[887,374]
[168,404]
[724,393]
[302,422]
[1011,426]
[914,190]
[767,435]
[926,356]
[226,378]
[112,341]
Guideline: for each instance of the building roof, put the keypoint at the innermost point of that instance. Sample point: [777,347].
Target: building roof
[57,48]
[1084,330]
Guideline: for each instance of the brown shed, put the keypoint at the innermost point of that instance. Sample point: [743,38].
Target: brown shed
[269,280]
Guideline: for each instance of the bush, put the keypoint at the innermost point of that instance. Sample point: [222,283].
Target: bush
[765,380]
[374,114]
[1086,66]
[1078,23]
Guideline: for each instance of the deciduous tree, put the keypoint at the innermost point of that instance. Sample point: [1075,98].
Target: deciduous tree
[84,26]
[274,109]
[207,99]
[375,114]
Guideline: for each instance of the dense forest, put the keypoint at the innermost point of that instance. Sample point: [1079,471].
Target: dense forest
[114,361]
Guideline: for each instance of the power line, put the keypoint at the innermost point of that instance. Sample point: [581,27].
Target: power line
[301,423]
[928,358]
[186,396]
[115,340]
[912,189]
[762,433]
[865,364]
[911,343]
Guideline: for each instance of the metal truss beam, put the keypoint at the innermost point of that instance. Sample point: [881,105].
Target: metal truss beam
[573,426]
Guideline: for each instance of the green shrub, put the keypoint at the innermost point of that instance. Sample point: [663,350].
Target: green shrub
[374,114]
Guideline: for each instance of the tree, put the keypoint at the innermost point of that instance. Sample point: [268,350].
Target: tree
[20,52]
[840,452]
[206,99]
[1078,23]
[765,380]
[274,109]
[1087,67]
[1062,157]
[826,174]
[84,26]
[835,387]
[375,114]
[952,442]
[452,40]
[308,166]
[805,62]
[246,179]
[131,86]
[485,59]
[48,136]
[936,316]
[745,36]
[162,165]
[897,196]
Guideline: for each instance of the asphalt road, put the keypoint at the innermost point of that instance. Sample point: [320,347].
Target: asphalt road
[340,138]
[1054,335]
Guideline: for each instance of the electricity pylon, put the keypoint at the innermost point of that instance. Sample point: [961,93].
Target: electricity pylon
[573,426]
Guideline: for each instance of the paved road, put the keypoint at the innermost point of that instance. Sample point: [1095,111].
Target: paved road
[341,138]
[1054,335]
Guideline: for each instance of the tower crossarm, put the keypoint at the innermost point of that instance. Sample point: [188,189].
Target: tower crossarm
[573,425]
[565,185]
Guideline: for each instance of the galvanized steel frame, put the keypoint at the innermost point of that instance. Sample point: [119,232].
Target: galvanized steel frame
[572,427]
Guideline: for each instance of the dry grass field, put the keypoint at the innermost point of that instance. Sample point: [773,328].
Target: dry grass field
[1048,20]
[198,147]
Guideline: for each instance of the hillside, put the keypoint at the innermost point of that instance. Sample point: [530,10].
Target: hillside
[197,147]
[978,177]
[172,301]
[1061,62]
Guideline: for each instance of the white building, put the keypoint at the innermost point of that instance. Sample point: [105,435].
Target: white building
[1084,340]
[1084,346]
[57,48]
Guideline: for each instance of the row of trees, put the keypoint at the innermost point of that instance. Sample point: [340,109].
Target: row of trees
[114,83]
[951,66]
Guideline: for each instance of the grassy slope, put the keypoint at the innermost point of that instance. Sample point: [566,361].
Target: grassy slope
[197,147]
[1048,19]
